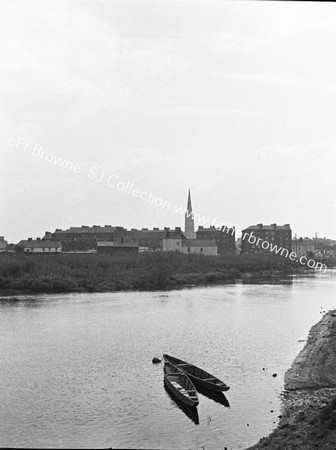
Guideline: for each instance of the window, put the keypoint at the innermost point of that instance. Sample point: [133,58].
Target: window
[188,249]
[32,249]
[49,249]
[43,249]
[201,249]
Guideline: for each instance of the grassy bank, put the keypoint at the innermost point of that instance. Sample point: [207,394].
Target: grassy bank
[21,273]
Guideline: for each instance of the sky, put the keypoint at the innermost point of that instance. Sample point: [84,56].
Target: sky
[235,100]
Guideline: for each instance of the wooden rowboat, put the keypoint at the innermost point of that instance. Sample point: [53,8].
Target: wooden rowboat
[178,383]
[198,376]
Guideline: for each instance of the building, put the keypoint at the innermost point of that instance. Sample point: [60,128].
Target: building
[260,238]
[224,238]
[3,244]
[304,247]
[117,247]
[189,226]
[325,248]
[172,242]
[85,238]
[39,246]
[151,239]
[238,246]
[199,246]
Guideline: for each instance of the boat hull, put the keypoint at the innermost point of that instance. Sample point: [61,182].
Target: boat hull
[197,375]
[179,385]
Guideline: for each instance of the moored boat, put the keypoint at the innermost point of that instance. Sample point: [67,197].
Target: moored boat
[178,383]
[198,376]
[190,411]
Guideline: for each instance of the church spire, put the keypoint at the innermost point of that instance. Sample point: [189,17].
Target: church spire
[189,207]
[189,229]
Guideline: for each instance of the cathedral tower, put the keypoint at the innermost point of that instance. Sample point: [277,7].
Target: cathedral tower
[189,230]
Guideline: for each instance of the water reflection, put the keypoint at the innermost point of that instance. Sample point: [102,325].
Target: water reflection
[8,301]
[30,302]
[217,397]
[276,281]
[191,413]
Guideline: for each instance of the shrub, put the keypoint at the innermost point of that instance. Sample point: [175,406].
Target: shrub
[41,286]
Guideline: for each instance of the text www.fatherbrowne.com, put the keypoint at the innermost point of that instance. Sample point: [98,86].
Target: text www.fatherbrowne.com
[266,245]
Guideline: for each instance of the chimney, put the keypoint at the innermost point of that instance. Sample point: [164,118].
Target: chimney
[38,239]
[30,239]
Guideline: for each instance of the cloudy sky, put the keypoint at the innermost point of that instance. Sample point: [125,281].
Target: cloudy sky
[235,99]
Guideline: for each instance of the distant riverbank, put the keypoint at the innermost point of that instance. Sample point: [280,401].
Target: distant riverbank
[31,274]
[308,418]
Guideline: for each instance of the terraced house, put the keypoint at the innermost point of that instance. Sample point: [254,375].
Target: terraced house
[275,235]
[39,246]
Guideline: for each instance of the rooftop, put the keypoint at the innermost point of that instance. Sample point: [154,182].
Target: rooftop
[86,229]
[39,243]
[117,244]
[273,226]
[303,241]
[199,243]
[174,234]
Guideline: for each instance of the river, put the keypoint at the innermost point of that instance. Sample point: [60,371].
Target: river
[77,372]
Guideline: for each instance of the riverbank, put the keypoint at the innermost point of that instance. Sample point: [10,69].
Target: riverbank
[308,418]
[31,274]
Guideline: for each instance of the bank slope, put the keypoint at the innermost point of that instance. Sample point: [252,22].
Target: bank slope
[308,418]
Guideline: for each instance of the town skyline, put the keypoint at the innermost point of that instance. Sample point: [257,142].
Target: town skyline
[187,214]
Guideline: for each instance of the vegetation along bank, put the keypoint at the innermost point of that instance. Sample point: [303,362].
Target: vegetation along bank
[27,274]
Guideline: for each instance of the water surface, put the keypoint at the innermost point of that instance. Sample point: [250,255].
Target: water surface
[76,369]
